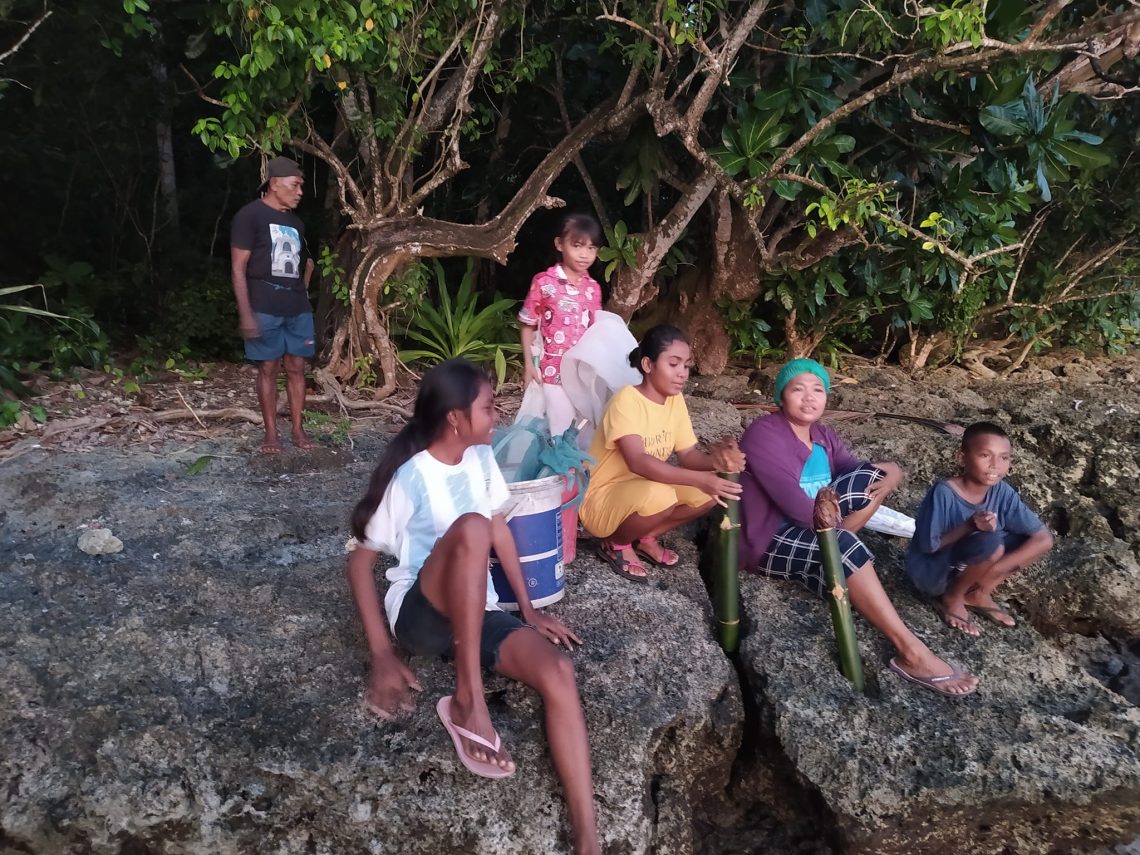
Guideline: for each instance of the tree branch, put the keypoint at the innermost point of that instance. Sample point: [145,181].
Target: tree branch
[27,35]
[358,209]
[919,68]
[451,163]
[719,64]
[424,236]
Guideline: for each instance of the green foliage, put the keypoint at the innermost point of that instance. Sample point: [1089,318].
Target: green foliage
[747,332]
[303,49]
[460,328]
[333,275]
[620,250]
[33,334]
[1052,144]
[336,429]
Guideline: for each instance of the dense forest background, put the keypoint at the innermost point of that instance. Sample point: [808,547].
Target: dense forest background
[914,182]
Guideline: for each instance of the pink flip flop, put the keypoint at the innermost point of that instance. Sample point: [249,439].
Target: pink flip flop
[458,734]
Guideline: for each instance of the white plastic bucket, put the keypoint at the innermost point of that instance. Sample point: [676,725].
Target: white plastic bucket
[535,521]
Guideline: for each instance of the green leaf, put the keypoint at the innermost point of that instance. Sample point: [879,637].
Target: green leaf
[730,161]
[1005,120]
[761,132]
[199,465]
[500,365]
[789,190]
[1080,155]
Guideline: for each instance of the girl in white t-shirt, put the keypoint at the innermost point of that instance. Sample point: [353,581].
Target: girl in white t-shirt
[433,503]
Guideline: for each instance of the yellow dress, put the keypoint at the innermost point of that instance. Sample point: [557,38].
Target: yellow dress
[615,493]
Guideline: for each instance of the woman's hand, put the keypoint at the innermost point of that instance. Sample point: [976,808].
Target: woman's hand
[721,489]
[892,476]
[390,685]
[726,455]
[554,630]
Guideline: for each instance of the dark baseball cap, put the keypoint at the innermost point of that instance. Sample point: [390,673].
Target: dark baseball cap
[281,167]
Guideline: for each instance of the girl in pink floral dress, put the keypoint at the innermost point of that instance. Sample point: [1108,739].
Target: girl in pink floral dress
[562,303]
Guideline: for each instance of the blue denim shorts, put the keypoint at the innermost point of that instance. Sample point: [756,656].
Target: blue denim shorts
[281,334]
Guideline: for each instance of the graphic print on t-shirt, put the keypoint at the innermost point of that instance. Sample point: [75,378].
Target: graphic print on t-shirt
[286,253]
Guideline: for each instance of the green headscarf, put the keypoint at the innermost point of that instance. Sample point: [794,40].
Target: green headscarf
[797,367]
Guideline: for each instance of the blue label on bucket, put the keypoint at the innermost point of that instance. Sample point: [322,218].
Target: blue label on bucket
[538,538]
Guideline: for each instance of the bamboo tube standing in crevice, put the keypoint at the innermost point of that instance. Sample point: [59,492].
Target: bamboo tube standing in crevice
[825,518]
[726,581]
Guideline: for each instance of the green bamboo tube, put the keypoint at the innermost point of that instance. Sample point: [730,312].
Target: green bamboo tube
[726,579]
[825,519]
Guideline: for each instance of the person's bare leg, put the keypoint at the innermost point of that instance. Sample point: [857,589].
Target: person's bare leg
[267,400]
[954,600]
[295,392]
[914,657]
[981,595]
[454,580]
[529,658]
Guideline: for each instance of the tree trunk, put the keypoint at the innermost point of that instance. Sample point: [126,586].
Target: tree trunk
[362,342]
[735,274]
[164,134]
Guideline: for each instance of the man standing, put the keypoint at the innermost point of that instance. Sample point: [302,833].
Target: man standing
[272,289]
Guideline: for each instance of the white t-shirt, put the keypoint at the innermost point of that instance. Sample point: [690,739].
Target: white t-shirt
[423,500]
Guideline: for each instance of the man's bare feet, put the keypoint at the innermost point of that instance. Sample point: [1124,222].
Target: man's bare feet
[955,616]
[922,665]
[475,718]
[985,603]
[303,441]
[271,445]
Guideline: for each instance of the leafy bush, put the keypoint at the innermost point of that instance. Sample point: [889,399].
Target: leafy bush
[461,329]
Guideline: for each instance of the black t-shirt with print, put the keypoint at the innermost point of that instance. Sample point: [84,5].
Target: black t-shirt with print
[275,240]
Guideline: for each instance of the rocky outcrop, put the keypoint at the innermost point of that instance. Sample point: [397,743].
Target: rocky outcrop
[1041,759]
[1084,586]
[199,691]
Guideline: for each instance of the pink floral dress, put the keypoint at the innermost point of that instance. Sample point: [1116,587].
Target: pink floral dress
[562,312]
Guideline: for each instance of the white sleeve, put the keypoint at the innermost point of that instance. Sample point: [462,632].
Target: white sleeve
[498,493]
[386,529]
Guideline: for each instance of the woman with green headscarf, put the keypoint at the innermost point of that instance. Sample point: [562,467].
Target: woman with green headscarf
[790,456]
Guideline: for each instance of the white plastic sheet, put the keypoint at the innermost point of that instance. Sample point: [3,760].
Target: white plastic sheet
[888,521]
[596,367]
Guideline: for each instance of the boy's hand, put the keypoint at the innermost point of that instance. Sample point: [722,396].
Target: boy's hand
[554,630]
[390,685]
[984,521]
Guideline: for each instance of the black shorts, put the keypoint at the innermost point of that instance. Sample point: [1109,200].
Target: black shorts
[423,630]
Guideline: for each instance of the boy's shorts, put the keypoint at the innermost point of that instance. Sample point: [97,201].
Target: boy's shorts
[935,576]
[423,630]
[281,334]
